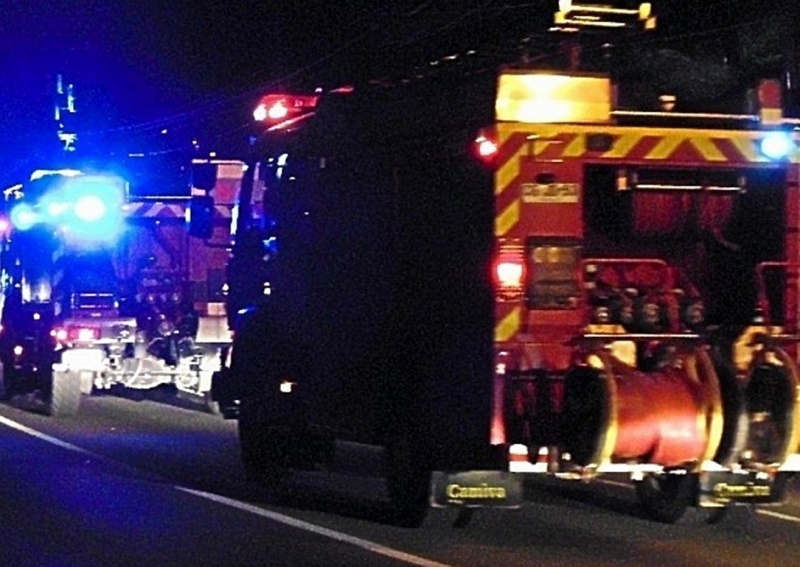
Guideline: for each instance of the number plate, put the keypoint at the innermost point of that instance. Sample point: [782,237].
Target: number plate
[725,487]
[476,489]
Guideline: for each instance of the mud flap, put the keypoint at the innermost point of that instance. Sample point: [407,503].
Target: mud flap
[64,396]
[225,393]
[476,489]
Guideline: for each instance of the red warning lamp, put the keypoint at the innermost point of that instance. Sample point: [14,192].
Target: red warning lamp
[509,272]
[273,108]
[486,148]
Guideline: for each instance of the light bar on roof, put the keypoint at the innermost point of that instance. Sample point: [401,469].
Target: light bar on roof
[273,108]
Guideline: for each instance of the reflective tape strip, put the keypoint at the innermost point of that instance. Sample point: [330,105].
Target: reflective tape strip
[508,325]
[681,145]
[223,211]
[171,211]
[162,210]
[506,219]
[553,143]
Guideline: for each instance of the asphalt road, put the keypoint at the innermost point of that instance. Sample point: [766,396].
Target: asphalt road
[149,483]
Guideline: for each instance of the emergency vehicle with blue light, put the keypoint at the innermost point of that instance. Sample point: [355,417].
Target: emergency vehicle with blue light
[102,286]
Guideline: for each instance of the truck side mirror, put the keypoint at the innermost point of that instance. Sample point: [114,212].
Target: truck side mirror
[201,216]
[204,176]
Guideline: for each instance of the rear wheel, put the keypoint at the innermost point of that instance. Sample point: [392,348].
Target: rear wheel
[665,496]
[264,449]
[7,382]
[408,482]
[716,516]
[408,471]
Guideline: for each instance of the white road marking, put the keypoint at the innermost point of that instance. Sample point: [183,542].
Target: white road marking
[287,520]
[44,437]
[319,530]
[762,511]
[300,524]
[778,515]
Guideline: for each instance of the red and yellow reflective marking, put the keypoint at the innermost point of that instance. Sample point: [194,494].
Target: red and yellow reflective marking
[506,219]
[679,147]
[565,143]
[508,323]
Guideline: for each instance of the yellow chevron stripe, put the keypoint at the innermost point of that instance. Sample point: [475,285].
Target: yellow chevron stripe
[507,219]
[576,147]
[506,173]
[665,147]
[508,326]
[623,145]
[749,149]
[510,168]
[708,149]
[706,142]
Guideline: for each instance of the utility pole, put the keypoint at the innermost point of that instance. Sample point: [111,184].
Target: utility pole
[65,111]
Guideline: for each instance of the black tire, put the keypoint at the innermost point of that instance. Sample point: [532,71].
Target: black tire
[716,516]
[408,483]
[264,449]
[63,396]
[665,497]
[7,383]
[408,471]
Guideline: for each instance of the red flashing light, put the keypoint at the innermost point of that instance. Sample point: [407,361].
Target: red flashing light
[486,148]
[278,107]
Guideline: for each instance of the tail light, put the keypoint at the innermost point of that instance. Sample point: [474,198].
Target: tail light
[76,334]
[274,108]
[509,272]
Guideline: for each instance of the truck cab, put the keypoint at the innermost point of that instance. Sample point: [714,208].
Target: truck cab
[365,264]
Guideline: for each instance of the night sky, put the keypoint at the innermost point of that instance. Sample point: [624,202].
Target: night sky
[141,66]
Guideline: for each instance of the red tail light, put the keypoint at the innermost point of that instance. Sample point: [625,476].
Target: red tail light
[509,271]
[274,108]
[76,334]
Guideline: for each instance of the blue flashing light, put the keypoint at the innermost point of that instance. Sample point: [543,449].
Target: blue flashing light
[90,208]
[86,209]
[96,207]
[777,145]
[57,208]
[23,217]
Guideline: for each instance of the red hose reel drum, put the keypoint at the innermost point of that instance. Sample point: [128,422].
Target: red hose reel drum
[670,416]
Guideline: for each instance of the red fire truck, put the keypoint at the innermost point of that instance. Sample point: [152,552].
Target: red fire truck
[611,291]
[646,291]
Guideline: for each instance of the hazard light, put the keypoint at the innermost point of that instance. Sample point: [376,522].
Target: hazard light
[274,108]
